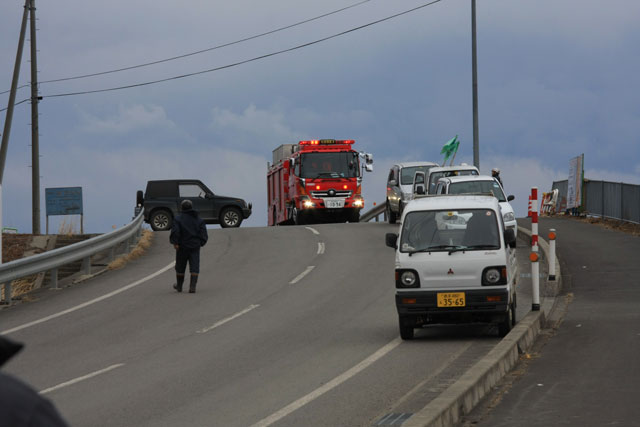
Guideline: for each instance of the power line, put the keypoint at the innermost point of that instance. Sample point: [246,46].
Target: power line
[17,103]
[19,87]
[235,64]
[173,58]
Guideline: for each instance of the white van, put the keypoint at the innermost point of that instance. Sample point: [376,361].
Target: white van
[454,264]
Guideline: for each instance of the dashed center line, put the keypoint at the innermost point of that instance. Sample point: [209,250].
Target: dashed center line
[320,248]
[301,275]
[313,230]
[228,319]
[82,378]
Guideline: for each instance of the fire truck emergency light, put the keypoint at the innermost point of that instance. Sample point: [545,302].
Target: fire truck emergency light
[327,141]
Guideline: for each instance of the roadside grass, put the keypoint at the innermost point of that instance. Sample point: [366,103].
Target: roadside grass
[613,224]
[68,227]
[143,244]
[20,287]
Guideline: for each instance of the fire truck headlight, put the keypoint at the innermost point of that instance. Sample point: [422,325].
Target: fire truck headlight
[358,203]
[308,204]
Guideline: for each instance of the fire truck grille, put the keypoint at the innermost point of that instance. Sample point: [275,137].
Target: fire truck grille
[325,194]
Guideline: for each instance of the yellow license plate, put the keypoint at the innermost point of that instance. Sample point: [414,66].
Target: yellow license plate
[451,299]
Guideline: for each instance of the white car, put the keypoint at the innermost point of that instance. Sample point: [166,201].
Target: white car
[480,184]
[459,274]
[446,171]
[400,186]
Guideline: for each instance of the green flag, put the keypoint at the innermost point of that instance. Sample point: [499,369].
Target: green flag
[450,148]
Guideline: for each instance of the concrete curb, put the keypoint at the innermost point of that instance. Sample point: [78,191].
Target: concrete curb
[463,395]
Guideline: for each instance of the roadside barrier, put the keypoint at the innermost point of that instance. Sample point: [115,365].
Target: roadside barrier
[52,260]
[374,213]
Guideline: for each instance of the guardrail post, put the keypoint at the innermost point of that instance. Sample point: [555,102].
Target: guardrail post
[112,253]
[53,279]
[86,265]
[552,254]
[7,293]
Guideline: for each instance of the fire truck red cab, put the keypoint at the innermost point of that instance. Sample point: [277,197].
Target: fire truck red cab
[316,180]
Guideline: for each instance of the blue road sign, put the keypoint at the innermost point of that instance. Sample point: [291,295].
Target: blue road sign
[64,201]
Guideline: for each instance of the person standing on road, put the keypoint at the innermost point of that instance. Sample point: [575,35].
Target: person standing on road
[188,234]
[495,172]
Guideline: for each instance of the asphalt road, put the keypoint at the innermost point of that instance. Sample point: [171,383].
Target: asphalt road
[290,326]
[587,373]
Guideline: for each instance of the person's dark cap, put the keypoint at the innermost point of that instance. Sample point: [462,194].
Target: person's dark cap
[8,349]
[186,205]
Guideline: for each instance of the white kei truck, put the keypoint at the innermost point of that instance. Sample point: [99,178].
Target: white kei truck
[455,263]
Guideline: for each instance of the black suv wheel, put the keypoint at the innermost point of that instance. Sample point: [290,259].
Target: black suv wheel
[161,220]
[230,217]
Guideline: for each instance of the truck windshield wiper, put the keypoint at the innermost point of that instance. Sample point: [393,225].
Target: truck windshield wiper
[450,248]
[331,174]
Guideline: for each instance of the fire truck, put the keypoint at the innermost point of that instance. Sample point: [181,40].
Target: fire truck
[316,181]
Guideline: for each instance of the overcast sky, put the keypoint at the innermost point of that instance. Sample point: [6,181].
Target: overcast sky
[556,79]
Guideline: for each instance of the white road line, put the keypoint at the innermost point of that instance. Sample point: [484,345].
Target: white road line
[88,303]
[313,230]
[320,248]
[85,377]
[228,319]
[277,416]
[301,275]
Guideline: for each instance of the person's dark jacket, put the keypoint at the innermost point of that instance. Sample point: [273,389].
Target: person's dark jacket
[188,230]
[20,405]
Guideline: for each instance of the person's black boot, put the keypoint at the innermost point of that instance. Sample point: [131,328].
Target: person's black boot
[179,281]
[192,284]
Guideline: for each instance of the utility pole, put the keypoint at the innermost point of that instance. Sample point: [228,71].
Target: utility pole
[9,116]
[35,140]
[474,72]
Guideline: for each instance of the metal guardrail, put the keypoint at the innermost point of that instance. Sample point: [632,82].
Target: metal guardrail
[52,260]
[374,212]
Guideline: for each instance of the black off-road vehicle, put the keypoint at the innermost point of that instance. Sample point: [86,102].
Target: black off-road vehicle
[161,203]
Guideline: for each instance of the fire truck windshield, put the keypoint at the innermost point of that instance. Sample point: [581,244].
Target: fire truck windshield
[329,165]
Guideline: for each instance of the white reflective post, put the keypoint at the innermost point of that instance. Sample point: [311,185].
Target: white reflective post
[535,281]
[0,221]
[552,254]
